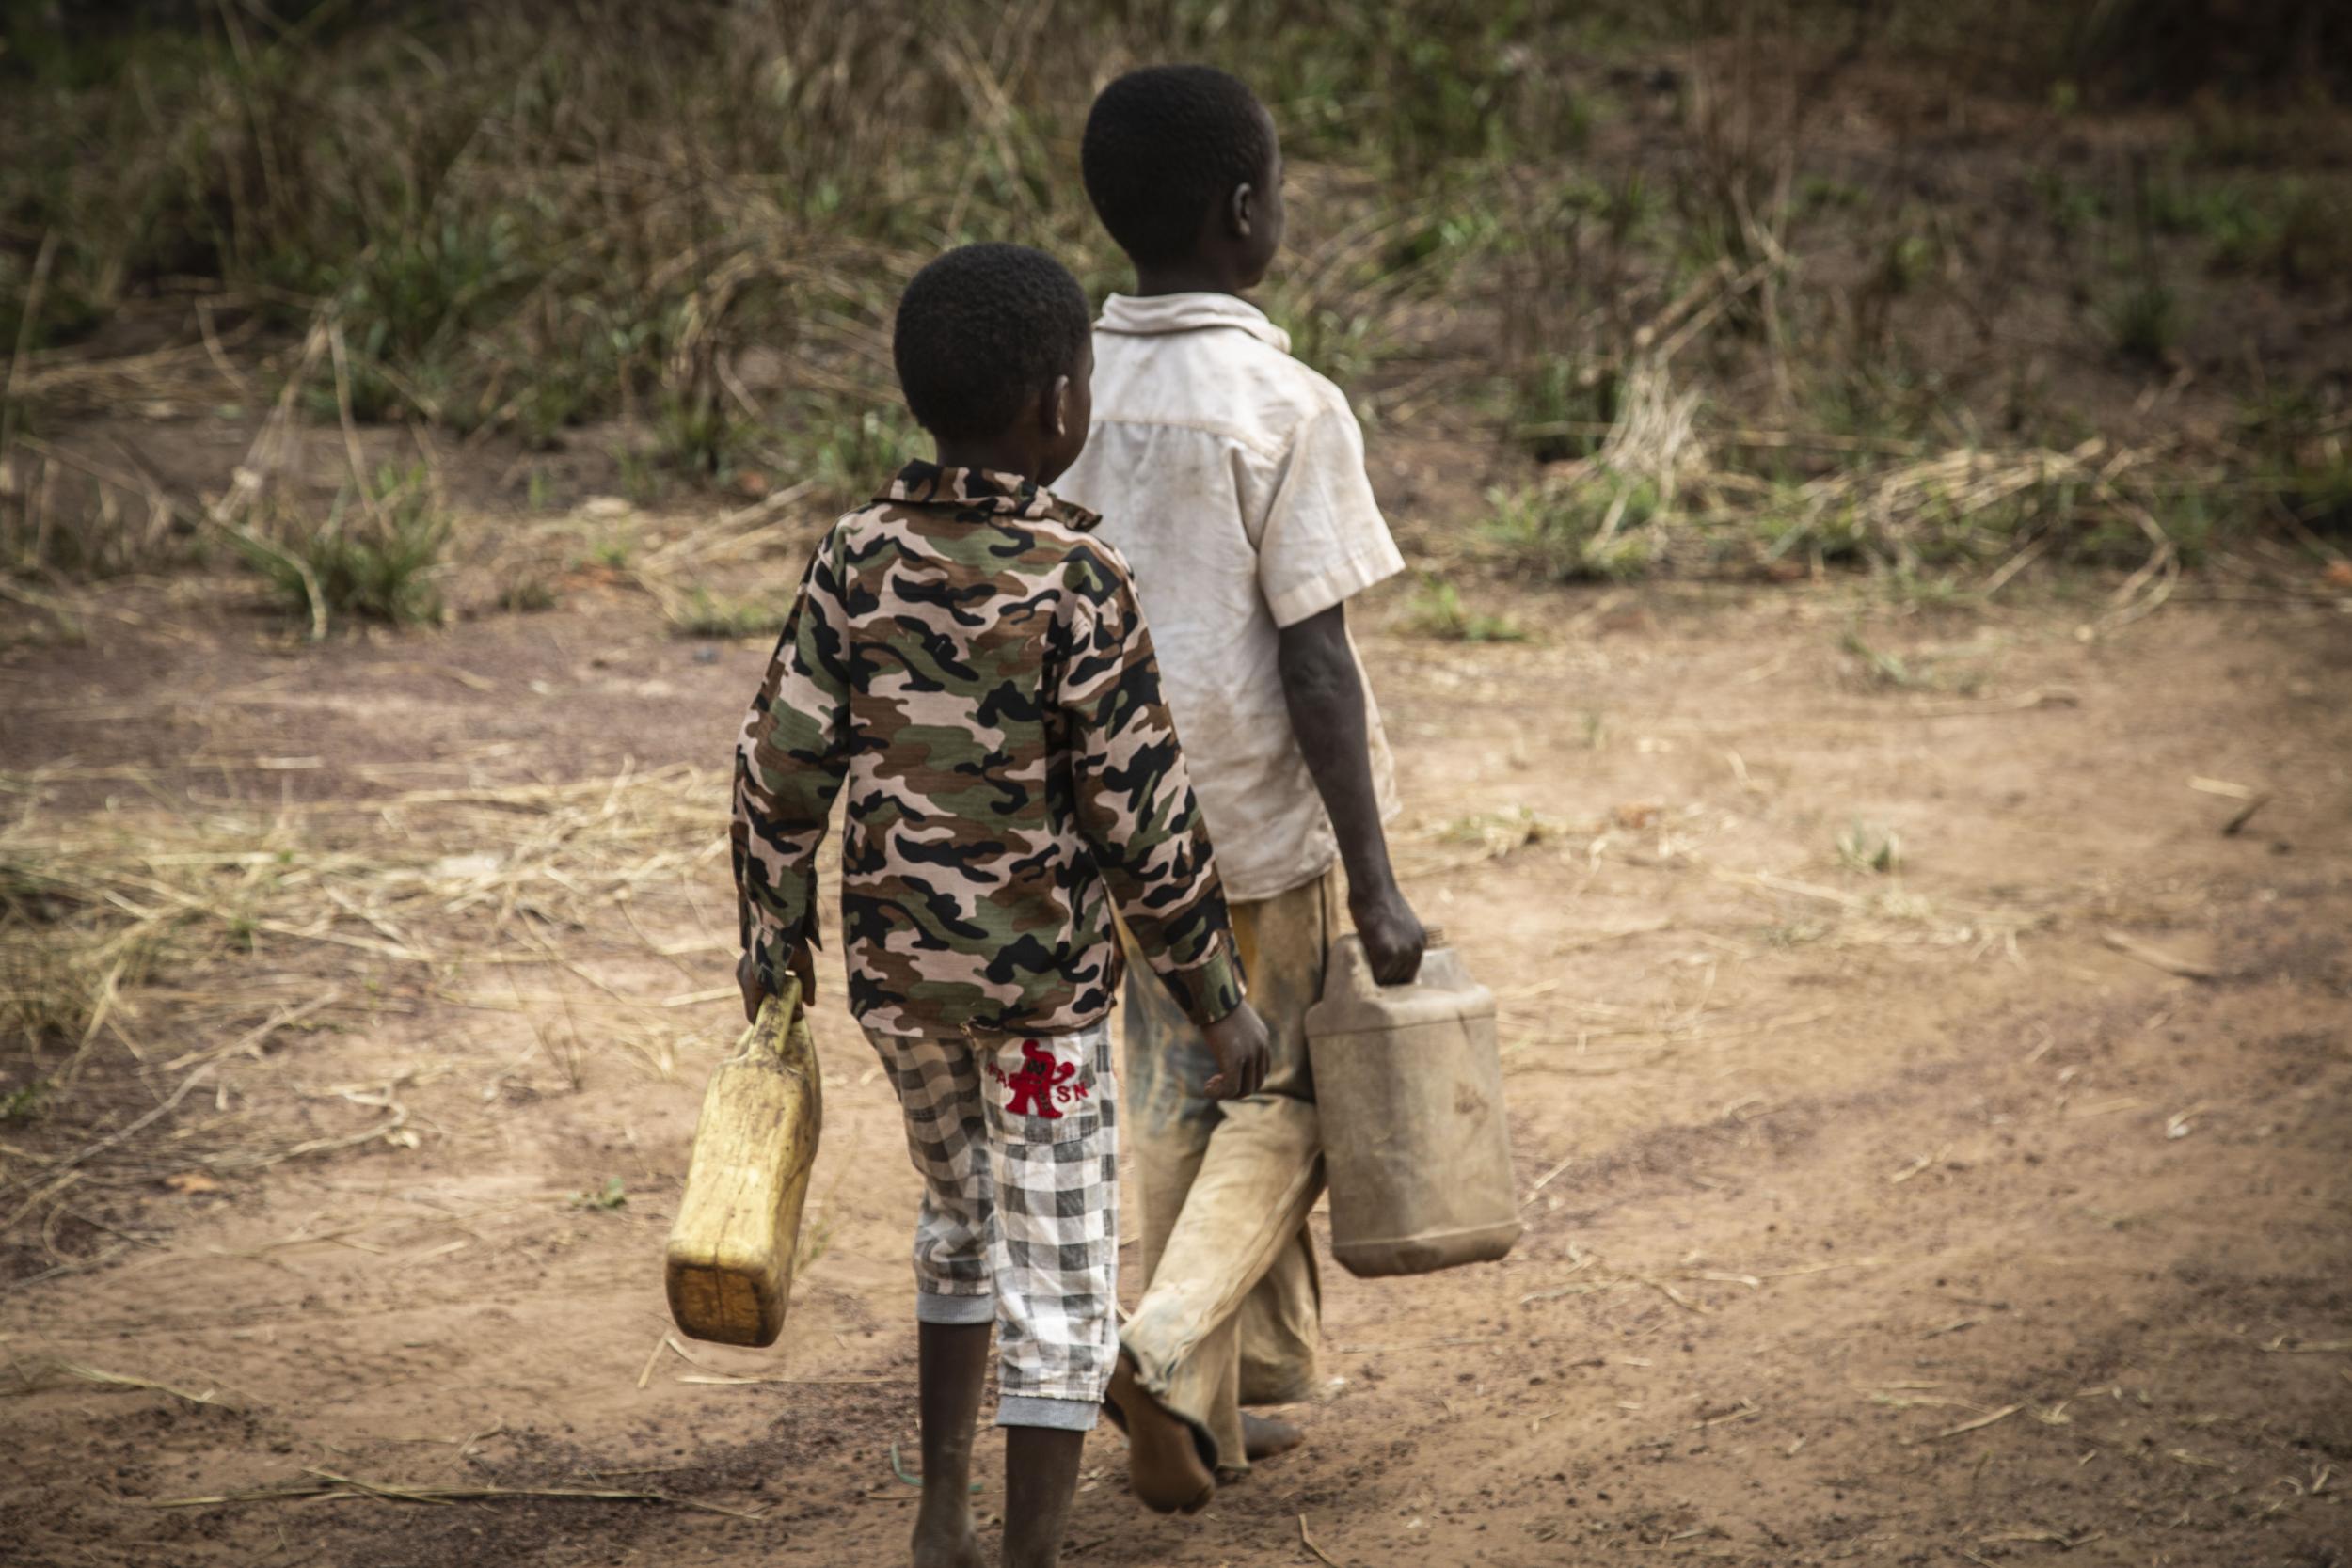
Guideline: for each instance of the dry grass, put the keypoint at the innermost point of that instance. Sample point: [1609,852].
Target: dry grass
[320,1484]
[698,224]
[249,913]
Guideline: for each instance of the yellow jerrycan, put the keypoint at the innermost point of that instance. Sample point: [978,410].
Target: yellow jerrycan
[1409,1085]
[739,1223]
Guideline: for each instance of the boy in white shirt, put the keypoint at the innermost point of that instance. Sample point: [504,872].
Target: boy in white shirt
[1233,478]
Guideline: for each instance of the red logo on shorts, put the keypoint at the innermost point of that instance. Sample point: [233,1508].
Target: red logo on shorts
[1041,1082]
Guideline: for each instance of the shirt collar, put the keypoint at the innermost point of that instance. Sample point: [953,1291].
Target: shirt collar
[1188,312]
[921,484]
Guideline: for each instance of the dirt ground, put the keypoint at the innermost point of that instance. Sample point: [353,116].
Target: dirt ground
[1993,1207]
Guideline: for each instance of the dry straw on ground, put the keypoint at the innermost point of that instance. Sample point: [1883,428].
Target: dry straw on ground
[126,933]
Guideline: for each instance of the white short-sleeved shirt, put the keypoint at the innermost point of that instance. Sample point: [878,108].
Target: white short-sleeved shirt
[1231,477]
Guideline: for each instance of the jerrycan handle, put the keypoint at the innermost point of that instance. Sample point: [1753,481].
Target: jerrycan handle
[779,1015]
[1352,967]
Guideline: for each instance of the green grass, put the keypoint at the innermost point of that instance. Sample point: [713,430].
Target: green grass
[1437,610]
[1882,666]
[1337,342]
[1928,591]
[1884,397]
[2306,460]
[1425,256]
[1962,670]
[1788,528]
[407,306]
[1905,261]
[2297,231]
[1558,407]
[1871,847]
[1503,832]
[612,1195]
[1596,529]
[640,482]
[701,435]
[23,1103]
[2072,206]
[2235,224]
[527,594]
[706,615]
[1819,193]
[376,557]
[1795,933]
[2310,242]
[2144,322]
[2193,521]
[847,450]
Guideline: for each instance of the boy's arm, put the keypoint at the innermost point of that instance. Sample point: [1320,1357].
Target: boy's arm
[789,760]
[1324,691]
[1324,541]
[1136,804]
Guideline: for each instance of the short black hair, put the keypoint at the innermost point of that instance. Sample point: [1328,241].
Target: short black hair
[980,331]
[1162,146]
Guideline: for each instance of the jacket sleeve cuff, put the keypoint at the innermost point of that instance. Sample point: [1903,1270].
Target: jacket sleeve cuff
[1212,989]
[771,945]
[771,960]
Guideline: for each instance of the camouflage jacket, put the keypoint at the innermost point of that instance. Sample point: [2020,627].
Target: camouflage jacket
[973,663]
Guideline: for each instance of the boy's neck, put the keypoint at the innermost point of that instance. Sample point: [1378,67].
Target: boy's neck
[1001,457]
[1194,274]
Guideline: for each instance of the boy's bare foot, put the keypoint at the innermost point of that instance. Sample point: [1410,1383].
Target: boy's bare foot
[1163,1464]
[946,1543]
[1264,1436]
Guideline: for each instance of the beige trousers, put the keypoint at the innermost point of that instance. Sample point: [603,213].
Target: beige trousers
[1231,1306]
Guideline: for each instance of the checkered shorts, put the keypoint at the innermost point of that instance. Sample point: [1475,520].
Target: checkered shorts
[1017,1141]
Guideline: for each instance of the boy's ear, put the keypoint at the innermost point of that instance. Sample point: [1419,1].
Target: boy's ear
[1057,407]
[1243,209]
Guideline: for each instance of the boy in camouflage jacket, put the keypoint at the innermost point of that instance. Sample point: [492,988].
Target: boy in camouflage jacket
[972,663]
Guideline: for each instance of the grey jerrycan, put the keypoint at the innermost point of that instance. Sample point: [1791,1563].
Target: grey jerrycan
[1409,1085]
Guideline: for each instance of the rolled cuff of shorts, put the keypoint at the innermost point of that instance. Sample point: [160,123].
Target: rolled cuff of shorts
[1027,1410]
[932,1308]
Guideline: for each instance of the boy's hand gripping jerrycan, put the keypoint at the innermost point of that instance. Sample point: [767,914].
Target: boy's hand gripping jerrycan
[739,1223]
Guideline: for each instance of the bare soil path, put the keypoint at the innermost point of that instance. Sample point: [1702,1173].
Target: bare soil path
[1993,1207]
